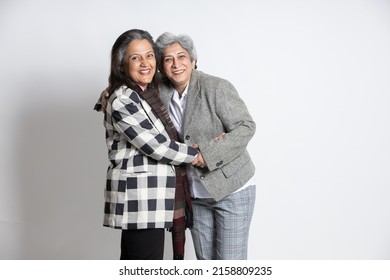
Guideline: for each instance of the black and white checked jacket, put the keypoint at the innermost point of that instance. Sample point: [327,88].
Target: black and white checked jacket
[140,186]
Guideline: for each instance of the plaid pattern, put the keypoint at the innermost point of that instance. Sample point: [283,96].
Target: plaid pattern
[140,186]
[221,228]
[182,215]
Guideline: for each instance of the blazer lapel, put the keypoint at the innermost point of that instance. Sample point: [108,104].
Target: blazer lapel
[193,101]
[149,112]
[166,94]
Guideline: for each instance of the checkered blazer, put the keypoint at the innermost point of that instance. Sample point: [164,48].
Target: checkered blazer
[140,186]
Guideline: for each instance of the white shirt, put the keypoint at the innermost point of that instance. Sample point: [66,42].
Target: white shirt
[177,107]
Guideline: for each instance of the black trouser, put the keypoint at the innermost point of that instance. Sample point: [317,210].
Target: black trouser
[142,244]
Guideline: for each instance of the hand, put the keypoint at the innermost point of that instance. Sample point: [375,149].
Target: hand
[219,136]
[104,99]
[199,160]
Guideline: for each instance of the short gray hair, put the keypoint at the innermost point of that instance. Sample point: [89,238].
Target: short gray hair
[167,39]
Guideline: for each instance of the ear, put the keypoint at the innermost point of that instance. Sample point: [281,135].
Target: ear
[193,63]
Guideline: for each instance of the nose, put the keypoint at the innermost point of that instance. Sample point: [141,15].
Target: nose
[144,61]
[174,63]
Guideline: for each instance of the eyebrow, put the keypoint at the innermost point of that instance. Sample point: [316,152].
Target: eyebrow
[132,54]
[170,55]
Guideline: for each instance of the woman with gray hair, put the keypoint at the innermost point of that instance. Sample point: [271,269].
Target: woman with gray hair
[222,183]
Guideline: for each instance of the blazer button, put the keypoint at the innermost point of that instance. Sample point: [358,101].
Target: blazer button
[201,177]
[219,163]
[188,137]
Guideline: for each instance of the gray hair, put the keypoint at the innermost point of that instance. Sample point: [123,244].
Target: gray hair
[167,39]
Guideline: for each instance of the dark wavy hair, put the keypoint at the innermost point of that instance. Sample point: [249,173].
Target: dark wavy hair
[117,76]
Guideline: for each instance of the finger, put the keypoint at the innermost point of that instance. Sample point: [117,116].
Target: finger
[219,136]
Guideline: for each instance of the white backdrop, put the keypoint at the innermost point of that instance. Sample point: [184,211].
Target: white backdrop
[314,74]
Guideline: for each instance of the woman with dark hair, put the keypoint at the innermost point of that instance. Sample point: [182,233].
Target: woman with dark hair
[141,184]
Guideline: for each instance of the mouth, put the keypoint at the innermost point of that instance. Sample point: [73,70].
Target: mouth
[145,72]
[177,72]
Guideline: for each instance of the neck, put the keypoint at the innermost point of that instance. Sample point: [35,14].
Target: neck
[180,89]
[142,87]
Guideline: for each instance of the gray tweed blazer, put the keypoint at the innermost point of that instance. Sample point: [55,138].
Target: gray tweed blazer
[214,106]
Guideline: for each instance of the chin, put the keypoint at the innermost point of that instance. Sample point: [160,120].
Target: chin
[146,82]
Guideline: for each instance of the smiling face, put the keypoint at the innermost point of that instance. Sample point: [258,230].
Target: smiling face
[177,66]
[140,63]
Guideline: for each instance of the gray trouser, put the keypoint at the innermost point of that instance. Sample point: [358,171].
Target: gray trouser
[221,228]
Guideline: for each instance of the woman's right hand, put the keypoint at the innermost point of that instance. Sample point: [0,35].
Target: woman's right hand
[199,160]
[104,100]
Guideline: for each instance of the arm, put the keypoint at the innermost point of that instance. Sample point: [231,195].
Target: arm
[130,120]
[237,122]
[101,104]
[199,160]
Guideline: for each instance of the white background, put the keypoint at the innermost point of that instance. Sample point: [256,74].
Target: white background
[314,74]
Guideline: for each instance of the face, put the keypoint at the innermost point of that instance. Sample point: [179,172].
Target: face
[177,66]
[140,63]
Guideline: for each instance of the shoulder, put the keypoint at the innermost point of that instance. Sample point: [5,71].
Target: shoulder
[212,81]
[165,87]
[124,95]
[214,86]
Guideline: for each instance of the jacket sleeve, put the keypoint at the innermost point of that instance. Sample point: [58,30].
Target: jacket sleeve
[132,122]
[98,105]
[239,127]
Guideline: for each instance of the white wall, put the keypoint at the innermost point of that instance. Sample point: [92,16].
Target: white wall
[315,76]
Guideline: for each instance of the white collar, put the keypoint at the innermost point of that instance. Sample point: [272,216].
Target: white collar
[176,94]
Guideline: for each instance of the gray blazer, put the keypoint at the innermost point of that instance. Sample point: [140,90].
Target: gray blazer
[214,106]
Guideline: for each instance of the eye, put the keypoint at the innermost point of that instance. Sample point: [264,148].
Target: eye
[151,55]
[134,58]
[167,59]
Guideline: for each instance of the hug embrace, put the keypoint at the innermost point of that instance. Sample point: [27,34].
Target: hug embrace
[177,149]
